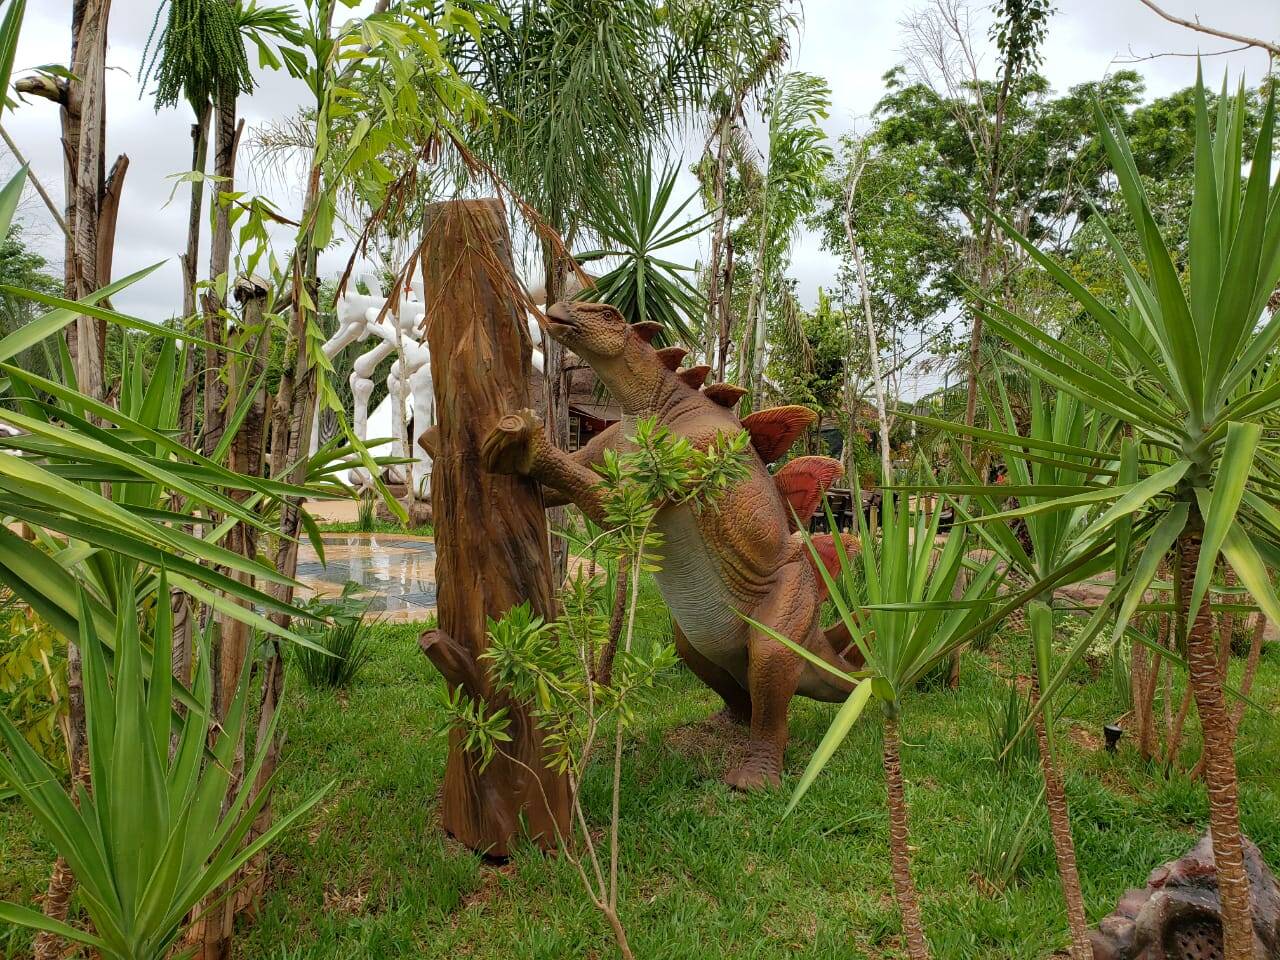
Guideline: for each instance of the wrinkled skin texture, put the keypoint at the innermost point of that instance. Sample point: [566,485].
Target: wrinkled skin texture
[717,565]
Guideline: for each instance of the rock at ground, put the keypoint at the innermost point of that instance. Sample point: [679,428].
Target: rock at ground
[1178,915]
[419,512]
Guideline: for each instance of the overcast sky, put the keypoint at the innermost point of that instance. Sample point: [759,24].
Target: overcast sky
[850,43]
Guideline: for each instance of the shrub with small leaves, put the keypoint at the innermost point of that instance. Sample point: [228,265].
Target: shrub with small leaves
[33,681]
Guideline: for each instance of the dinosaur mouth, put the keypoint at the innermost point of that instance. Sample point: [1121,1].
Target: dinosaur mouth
[560,319]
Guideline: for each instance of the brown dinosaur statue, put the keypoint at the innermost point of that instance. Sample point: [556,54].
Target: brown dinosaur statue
[743,558]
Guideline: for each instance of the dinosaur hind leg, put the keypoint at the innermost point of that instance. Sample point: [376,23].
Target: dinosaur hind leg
[737,702]
[773,672]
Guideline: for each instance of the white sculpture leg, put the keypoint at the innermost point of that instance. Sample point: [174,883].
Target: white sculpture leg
[361,390]
[353,311]
[424,414]
[398,390]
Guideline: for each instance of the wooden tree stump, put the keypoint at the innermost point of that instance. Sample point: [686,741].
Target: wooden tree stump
[491,535]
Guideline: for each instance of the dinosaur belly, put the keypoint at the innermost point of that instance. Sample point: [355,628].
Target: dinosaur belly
[693,586]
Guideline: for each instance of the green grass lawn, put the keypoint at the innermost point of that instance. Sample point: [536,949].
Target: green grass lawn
[706,872]
[379,526]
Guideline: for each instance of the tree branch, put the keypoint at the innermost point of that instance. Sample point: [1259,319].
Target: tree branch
[40,85]
[35,182]
[1272,48]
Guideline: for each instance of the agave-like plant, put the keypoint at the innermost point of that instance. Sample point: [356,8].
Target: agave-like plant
[1037,545]
[1193,379]
[157,831]
[898,601]
[634,223]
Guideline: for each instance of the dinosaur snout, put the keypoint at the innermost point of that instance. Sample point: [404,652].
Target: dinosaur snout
[561,313]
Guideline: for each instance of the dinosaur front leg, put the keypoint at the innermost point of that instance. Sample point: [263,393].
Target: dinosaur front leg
[518,445]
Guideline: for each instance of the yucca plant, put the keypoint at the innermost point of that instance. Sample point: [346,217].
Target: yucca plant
[1194,381]
[366,513]
[1062,452]
[157,830]
[634,222]
[901,609]
[1007,834]
[1010,747]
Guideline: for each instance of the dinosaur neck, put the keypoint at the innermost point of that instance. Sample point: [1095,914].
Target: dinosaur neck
[641,386]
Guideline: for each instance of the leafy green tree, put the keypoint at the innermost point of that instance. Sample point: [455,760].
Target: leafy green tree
[810,366]
[796,154]
[22,267]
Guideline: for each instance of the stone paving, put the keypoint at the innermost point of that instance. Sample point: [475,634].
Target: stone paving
[395,571]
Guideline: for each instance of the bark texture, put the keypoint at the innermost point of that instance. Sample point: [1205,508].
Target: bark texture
[1219,757]
[62,883]
[1064,848]
[904,887]
[491,536]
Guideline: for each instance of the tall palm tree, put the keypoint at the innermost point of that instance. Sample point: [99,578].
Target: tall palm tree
[1195,382]
[580,87]
[796,154]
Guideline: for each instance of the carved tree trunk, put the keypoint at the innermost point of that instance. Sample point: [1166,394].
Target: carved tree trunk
[491,537]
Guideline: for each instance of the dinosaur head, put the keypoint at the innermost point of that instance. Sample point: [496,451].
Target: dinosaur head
[617,351]
[594,331]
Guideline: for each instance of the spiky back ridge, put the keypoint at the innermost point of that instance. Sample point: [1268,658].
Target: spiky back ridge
[802,481]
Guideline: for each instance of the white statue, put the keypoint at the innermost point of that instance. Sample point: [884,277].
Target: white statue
[409,386]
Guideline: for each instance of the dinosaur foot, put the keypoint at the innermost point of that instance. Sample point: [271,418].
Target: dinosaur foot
[511,445]
[762,770]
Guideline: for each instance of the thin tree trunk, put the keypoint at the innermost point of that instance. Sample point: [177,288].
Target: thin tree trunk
[873,339]
[1154,664]
[1220,761]
[604,673]
[1246,685]
[214,930]
[726,311]
[755,336]
[715,269]
[556,402]
[1064,847]
[62,883]
[873,345]
[904,887]
[83,118]
[226,140]
[183,608]
[87,91]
